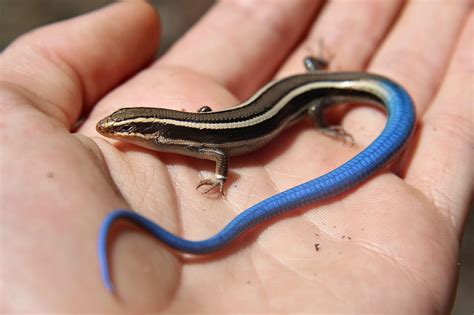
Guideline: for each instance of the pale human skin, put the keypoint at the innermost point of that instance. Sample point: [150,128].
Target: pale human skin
[391,245]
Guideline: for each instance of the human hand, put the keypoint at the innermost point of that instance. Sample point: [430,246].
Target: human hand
[389,245]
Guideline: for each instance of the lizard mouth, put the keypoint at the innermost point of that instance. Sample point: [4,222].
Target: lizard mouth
[104,126]
[112,129]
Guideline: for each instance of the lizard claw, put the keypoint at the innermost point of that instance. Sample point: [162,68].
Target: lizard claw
[213,183]
[338,133]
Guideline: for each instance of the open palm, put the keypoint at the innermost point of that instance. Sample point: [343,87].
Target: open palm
[389,245]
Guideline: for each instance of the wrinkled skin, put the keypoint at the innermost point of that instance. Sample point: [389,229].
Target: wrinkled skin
[391,245]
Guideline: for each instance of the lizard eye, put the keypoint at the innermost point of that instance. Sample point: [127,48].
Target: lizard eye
[127,129]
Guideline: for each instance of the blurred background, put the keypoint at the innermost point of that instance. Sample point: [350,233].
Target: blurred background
[20,16]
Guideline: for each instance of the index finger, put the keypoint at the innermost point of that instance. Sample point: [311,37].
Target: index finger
[240,44]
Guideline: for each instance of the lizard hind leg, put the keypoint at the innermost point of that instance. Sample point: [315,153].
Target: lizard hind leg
[316,112]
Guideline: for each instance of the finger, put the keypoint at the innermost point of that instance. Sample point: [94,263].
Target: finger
[346,34]
[442,167]
[241,43]
[69,65]
[417,51]
[413,56]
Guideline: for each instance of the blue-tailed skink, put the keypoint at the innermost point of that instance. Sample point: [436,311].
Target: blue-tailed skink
[251,125]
